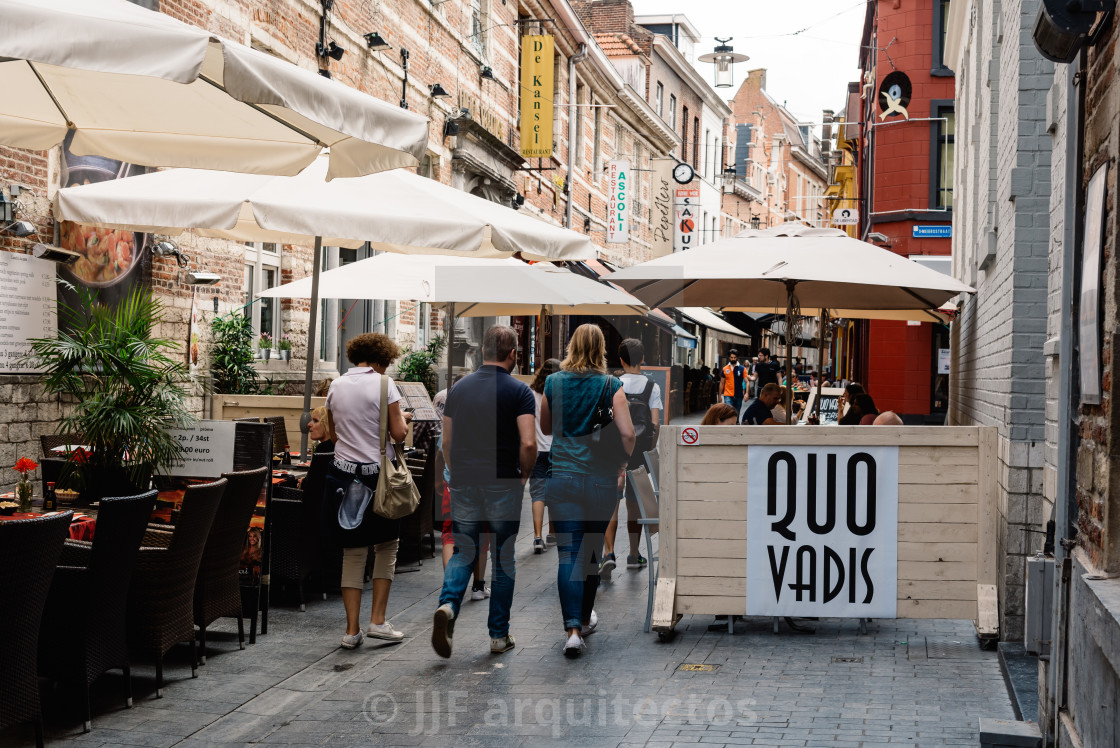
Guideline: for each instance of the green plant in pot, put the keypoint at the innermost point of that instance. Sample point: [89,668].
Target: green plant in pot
[231,355]
[126,389]
[284,348]
[264,344]
[422,365]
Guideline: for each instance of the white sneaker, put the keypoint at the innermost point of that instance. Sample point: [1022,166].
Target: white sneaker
[480,594]
[538,545]
[590,626]
[383,631]
[574,646]
[351,641]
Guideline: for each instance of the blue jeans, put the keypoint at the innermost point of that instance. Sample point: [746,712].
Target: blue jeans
[580,507]
[538,479]
[736,403]
[497,508]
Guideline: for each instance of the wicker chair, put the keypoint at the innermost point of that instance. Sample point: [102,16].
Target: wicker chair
[85,622]
[252,449]
[217,593]
[279,433]
[31,546]
[50,441]
[418,525]
[161,601]
[296,546]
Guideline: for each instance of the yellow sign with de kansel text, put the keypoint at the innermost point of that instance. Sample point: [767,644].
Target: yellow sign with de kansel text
[537,90]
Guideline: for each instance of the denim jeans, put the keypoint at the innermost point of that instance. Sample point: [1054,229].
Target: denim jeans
[580,507]
[736,403]
[538,479]
[494,507]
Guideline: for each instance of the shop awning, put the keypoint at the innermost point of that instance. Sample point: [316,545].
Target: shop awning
[709,319]
[666,323]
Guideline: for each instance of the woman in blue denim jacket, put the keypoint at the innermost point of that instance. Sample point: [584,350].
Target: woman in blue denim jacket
[586,469]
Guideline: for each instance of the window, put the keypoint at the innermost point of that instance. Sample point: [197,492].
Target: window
[684,133]
[940,65]
[579,126]
[707,151]
[659,100]
[696,143]
[672,112]
[597,145]
[941,155]
[477,30]
[262,271]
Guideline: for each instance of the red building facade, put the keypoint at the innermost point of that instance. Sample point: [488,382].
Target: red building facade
[905,162]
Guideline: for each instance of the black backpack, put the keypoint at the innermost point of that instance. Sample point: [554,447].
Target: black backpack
[642,417]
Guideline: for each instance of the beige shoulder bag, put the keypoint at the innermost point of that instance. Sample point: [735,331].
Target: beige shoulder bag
[397,495]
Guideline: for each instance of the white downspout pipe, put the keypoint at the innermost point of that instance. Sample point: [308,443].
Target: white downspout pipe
[574,60]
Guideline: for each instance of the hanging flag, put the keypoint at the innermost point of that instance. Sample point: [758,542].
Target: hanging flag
[537,91]
[618,201]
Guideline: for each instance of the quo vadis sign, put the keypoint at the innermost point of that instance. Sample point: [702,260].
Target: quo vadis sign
[536,96]
[822,531]
[618,206]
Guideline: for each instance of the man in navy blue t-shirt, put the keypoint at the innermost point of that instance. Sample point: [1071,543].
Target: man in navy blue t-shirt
[490,447]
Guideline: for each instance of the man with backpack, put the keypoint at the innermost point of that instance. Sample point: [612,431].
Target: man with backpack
[643,395]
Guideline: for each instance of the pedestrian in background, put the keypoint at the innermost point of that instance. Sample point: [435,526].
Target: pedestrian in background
[643,398]
[585,471]
[732,381]
[538,480]
[354,409]
[490,447]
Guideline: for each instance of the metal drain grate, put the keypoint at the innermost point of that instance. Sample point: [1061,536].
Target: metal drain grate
[847,660]
[951,649]
[698,668]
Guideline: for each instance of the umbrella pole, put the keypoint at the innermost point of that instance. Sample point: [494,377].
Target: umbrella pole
[824,328]
[450,340]
[787,396]
[309,374]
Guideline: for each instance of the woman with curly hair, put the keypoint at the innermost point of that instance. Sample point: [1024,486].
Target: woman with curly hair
[354,410]
[583,483]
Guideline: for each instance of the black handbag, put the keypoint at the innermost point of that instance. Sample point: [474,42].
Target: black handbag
[606,441]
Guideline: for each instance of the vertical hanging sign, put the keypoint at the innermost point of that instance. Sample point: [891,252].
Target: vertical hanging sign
[536,96]
[661,214]
[687,204]
[618,205]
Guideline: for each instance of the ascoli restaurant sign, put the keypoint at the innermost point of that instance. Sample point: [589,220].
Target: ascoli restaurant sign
[618,208]
[536,96]
[822,531]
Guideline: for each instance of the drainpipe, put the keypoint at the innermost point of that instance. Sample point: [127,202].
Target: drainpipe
[574,60]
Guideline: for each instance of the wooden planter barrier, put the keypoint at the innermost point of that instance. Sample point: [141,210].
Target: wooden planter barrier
[947,494]
[228,407]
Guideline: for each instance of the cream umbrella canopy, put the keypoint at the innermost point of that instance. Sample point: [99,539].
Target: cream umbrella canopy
[795,268]
[396,211]
[139,86]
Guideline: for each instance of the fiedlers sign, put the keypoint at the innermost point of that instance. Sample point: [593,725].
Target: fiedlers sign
[822,531]
[536,96]
[618,205]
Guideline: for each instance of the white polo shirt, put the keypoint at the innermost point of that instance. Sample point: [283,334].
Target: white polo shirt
[354,401]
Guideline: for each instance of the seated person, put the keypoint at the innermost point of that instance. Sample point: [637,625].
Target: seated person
[720,414]
[887,418]
[759,411]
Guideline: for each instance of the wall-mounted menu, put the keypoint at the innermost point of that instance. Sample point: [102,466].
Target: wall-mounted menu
[28,308]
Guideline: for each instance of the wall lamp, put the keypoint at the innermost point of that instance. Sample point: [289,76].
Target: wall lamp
[450,127]
[438,91]
[330,50]
[878,238]
[518,201]
[202,279]
[1061,27]
[487,73]
[724,56]
[167,248]
[19,228]
[376,42]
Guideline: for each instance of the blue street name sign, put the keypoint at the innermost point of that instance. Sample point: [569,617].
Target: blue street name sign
[933,232]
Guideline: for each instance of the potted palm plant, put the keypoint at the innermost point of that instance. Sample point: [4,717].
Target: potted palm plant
[124,387]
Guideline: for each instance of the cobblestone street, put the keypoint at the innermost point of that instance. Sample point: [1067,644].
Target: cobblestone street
[906,682]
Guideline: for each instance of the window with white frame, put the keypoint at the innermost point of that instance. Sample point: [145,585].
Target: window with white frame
[262,272]
[672,112]
[659,99]
[477,30]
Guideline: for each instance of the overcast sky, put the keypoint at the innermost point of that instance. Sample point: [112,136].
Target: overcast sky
[809,71]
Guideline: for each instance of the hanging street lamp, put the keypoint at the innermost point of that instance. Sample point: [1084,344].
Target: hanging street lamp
[723,57]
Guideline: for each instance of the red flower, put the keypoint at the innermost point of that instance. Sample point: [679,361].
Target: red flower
[24,466]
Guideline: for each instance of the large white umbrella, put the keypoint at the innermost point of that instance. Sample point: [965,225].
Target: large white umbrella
[396,210]
[468,287]
[794,268]
[139,86]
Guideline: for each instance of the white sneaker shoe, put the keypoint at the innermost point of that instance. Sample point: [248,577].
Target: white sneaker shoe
[351,641]
[574,646]
[480,594]
[590,626]
[383,631]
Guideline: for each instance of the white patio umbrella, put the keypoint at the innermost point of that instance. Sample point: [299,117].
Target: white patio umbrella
[139,86]
[396,211]
[790,267]
[468,287]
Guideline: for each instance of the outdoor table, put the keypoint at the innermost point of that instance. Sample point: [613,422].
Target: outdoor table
[82,526]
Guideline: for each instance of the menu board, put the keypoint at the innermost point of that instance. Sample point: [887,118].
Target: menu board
[830,405]
[28,308]
[207,449]
[415,395]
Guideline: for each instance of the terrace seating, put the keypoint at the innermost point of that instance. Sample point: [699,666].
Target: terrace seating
[32,546]
[647,499]
[85,624]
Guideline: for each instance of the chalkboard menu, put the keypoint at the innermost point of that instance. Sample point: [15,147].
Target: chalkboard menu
[830,405]
[28,308]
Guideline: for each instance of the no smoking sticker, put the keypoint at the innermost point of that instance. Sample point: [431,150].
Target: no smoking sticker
[690,436]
